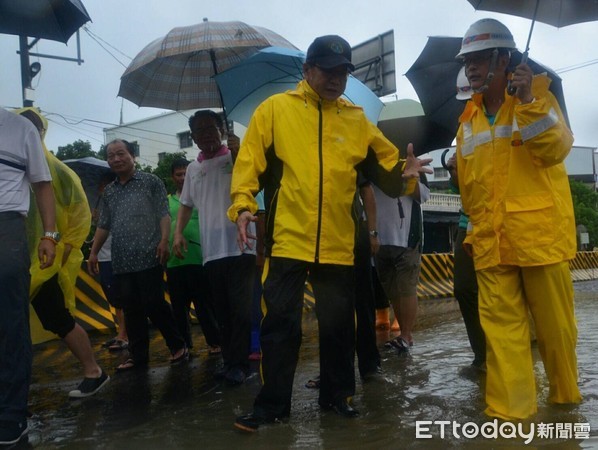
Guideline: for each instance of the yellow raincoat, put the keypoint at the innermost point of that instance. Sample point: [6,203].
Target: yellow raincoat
[73,221]
[515,189]
[513,181]
[308,222]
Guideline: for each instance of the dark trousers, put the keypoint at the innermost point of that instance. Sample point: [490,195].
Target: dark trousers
[232,282]
[333,288]
[466,293]
[142,296]
[186,284]
[15,336]
[365,310]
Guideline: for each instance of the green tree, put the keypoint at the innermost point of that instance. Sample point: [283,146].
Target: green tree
[162,171]
[102,152]
[78,149]
[585,205]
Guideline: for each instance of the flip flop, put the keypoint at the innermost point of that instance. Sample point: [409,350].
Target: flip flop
[108,343]
[214,350]
[182,357]
[129,364]
[313,384]
[118,345]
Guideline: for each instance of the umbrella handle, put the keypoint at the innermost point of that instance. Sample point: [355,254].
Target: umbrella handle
[443,159]
[510,89]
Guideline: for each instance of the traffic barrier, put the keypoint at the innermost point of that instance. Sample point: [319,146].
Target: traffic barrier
[436,283]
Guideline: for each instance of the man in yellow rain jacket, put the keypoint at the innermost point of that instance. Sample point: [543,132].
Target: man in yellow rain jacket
[52,291]
[303,147]
[514,187]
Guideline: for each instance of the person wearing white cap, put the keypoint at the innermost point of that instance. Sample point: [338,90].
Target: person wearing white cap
[511,144]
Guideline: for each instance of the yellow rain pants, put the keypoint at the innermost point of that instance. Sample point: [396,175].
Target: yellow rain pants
[505,294]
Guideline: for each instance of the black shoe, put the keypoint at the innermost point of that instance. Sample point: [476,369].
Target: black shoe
[12,432]
[250,422]
[374,374]
[89,386]
[235,376]
[221,372]
[342,408]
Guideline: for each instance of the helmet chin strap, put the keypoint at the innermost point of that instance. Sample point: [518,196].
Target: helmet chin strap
[490,75]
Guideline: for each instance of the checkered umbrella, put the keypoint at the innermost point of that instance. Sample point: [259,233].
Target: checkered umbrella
[175,71]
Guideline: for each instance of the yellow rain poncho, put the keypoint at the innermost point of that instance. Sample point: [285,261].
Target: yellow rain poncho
[73,221]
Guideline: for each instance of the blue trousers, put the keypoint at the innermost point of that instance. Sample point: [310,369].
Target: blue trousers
[15,337]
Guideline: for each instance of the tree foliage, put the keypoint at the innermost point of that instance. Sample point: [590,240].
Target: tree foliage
[585,205]
[162,171]
[78,149]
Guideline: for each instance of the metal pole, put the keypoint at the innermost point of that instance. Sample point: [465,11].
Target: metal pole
[25,71]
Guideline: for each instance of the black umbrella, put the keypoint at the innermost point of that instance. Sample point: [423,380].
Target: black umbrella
[55,20]
[559,13]
[93,172]
[424,134]
[434,78]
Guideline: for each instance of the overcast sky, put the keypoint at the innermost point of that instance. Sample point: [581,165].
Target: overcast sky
[81,100]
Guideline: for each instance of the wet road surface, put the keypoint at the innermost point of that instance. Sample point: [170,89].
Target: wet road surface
[184,407]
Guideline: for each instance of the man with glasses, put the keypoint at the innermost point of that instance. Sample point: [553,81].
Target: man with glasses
[511,145]
[230,270]
[304,148]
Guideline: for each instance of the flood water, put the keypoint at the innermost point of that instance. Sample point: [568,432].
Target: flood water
[183,407]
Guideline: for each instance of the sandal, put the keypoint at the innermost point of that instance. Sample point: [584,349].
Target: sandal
[109,342]
[118,345]
[182,357]
[129,364]
[214,350]
[313,384]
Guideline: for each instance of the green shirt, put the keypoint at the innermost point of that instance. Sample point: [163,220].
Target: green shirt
[191,234]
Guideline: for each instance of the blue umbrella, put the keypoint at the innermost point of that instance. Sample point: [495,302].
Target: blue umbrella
[273,70]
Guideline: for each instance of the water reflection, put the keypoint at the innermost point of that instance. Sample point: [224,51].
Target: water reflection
[183,407]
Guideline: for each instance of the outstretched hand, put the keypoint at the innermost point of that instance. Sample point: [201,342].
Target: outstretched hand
[414,166]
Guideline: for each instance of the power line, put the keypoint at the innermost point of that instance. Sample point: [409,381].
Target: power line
[128,131]
[577,66]
[105,49]
[86,28]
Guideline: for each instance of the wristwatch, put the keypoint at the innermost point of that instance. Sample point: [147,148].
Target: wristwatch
[53,235]
[373,233]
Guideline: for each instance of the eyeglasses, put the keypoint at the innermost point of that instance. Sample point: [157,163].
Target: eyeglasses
[475,58]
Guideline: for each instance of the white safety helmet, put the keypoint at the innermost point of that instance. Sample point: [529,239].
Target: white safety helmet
[486,34]
[464,90]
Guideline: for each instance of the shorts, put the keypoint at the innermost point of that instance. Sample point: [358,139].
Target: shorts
[398,270]
[51,310]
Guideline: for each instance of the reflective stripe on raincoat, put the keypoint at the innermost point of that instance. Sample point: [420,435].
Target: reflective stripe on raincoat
[513,181]
[304,151]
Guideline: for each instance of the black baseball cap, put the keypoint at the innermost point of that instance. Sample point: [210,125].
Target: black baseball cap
[329,51]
